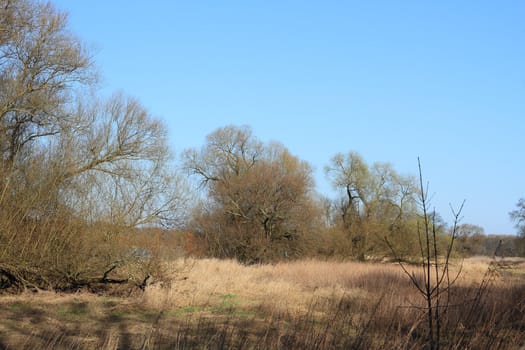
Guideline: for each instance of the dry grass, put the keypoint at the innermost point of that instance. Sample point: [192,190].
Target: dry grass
[291,285]
[285,286]
[217,304]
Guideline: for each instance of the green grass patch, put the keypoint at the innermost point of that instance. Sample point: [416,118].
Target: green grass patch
[19,307]
[73,310]
[229,300]
[231,305]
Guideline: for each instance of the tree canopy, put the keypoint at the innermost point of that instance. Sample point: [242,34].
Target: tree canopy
[260,197]
[376,203]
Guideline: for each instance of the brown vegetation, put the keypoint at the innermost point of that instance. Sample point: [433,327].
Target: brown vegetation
[220,304]
[77,174]
[259,205]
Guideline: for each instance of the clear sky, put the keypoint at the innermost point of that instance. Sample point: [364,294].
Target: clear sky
[392,80]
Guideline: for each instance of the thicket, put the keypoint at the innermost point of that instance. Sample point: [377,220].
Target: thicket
[77,173]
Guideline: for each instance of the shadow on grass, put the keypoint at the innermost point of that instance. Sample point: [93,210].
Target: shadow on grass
[483,318]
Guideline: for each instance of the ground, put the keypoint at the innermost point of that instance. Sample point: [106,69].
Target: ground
[214,304]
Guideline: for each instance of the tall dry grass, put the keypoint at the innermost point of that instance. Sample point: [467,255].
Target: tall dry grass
[217,304]
[367,299]
[291,286]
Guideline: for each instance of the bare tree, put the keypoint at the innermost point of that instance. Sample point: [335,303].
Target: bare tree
[435,286]
[230,150]
[78,174]
[518,216]
[470,240]
[376,201]
[117,157]
[260,206]
[40,64]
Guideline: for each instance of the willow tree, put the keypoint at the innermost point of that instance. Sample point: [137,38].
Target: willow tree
[375,203]
[260,198]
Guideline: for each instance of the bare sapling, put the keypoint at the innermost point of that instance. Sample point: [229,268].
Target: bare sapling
[435,266]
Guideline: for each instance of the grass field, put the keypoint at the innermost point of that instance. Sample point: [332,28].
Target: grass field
[214,304]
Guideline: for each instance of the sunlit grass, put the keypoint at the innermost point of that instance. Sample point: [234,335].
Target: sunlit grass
[304,304]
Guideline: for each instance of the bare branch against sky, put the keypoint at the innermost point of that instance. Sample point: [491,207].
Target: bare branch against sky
[393,81]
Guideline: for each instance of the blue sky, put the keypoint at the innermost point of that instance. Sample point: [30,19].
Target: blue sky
[392,80]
